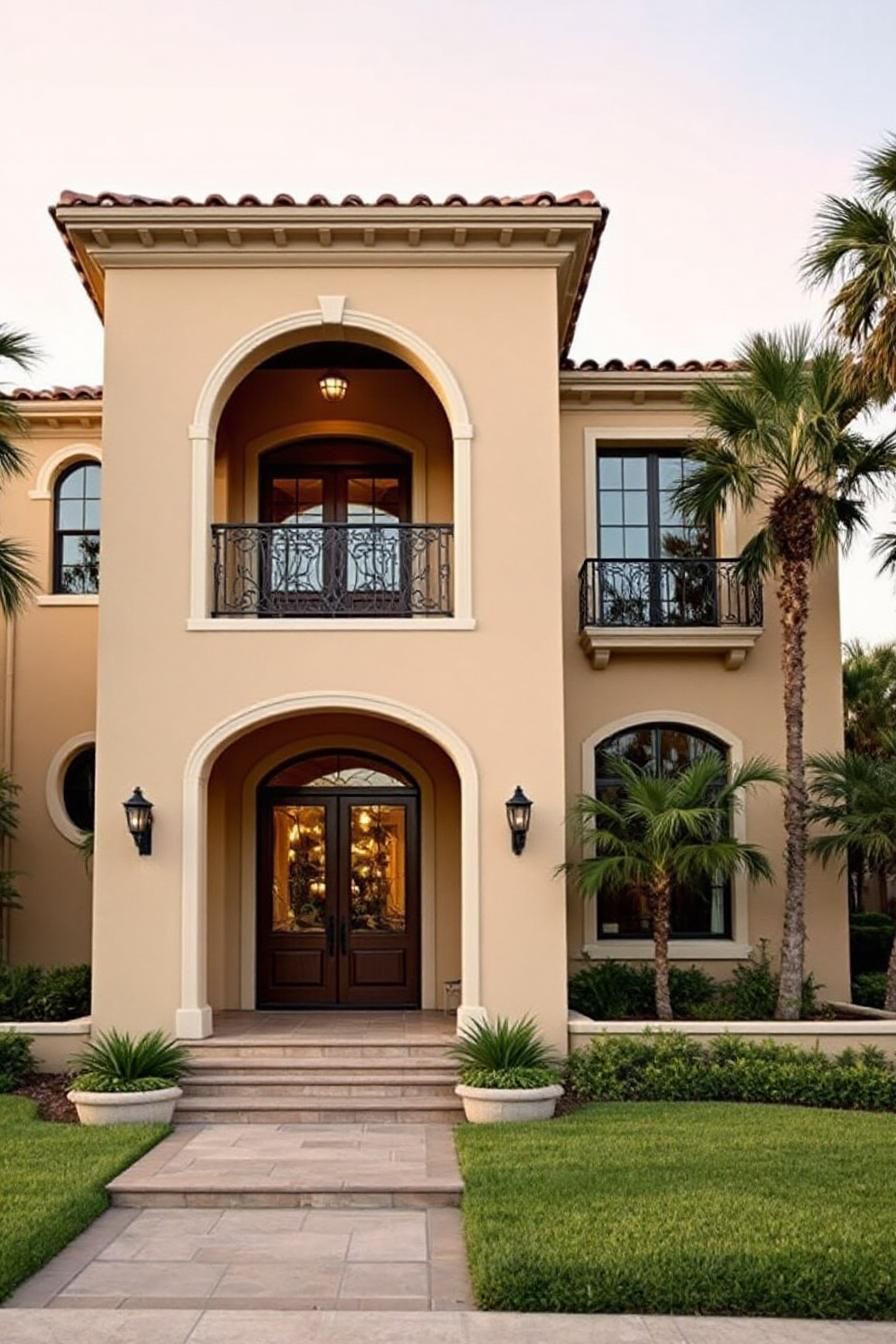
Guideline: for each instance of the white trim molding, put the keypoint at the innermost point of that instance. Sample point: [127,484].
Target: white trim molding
[193,1019]
[281,334]
[67,600]
[55,778]
[49,470]
[735,948]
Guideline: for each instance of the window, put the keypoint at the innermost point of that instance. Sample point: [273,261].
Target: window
[76,535]
[637,518]
[700,911]
[78,788]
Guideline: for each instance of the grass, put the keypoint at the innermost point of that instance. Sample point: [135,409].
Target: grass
[51,1182]
[686,1208]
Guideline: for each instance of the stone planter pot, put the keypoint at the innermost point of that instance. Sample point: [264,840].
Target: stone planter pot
[126,1108]
[490,1105]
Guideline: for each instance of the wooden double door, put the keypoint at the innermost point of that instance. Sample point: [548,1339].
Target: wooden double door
[338,899]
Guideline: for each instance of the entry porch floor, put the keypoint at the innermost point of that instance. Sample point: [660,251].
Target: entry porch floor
[334,1026]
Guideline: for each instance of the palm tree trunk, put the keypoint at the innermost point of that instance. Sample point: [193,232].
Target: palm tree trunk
[661,905]
[793,601]
[890,996]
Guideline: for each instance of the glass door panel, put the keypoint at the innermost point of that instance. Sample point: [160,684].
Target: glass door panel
[378,868]
[373,507]
[297,556]
[299,870]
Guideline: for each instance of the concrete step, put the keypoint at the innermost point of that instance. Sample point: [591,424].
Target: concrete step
[342,1084]
[250,1066]
[322,1047]
[268,1109]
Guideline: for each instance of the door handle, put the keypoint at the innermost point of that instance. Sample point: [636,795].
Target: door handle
[343,937]
[331,935]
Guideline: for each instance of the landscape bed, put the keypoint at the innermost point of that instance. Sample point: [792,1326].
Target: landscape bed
[52,1180]
[685,1208]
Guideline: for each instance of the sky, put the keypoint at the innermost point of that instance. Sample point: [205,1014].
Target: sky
[711,129]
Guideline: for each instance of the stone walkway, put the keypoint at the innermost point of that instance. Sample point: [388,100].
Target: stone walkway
[361,1327]
[298,1166]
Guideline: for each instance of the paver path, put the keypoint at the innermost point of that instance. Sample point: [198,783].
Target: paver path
[274,1166]
[324,1327]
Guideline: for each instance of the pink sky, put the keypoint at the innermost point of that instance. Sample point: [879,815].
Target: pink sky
[710,128]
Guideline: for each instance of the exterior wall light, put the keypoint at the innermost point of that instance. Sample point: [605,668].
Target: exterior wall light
[138,811]
[333,385]
[519,814]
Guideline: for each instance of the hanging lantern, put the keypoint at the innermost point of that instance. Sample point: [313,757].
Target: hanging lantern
[333,385]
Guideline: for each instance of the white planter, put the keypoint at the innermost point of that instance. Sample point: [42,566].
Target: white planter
[505,1105]
[126,1108]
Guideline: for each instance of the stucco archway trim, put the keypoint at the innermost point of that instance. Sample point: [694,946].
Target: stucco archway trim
[332,317]
[193,1019]
[45,480]
[735,948]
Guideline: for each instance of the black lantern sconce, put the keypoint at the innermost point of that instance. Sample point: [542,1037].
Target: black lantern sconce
[519,814]
[138,811]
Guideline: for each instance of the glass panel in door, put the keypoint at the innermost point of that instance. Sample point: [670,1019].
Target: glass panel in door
[299,870]
[297,551]
[373,508]
[378,868]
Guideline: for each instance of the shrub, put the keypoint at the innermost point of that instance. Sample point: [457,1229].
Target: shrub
[870,989]
[16,1059]
[509,1078]
[504,1050]
[674,1067]
[31,994]
[116,1062]
[870,941]
[608,990]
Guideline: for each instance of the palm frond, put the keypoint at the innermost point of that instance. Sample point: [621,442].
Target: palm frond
[877,171]
[17,583]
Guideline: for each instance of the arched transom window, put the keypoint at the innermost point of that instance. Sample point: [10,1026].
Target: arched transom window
[76,529]
[702,910]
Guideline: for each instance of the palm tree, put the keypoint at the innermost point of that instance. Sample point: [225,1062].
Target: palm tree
[854,247]
[779,441]
[869,696]
[16,582]
[854,796]
[660,832]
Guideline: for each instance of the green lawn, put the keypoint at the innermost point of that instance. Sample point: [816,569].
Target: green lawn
[686,1208]
[51,1182]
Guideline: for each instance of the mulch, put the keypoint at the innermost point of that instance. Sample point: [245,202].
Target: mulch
[48,1090]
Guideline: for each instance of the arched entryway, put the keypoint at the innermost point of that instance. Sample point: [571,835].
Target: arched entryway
[338,889]
[221,782]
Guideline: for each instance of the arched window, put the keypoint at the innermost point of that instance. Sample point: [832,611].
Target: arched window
[76,529]
[702,910]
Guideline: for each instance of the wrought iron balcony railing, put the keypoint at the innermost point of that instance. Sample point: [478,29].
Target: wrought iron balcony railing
[332,569]
[698,592]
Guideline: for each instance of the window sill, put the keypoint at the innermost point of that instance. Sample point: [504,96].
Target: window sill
[274,624]
[732,642]
[67,600]
[684,949]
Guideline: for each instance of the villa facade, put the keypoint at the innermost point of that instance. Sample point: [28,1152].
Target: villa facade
[344,550]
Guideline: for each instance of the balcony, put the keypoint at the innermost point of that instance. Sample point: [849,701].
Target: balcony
[692,605]
[332,570]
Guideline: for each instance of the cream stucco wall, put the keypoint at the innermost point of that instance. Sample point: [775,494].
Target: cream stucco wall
[745,704]
[498,688]
[49,680]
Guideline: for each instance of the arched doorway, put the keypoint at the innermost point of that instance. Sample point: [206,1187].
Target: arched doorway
[338,892]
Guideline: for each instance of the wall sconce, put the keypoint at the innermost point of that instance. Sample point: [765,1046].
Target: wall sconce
[138,811]
[333,385]
[519,814]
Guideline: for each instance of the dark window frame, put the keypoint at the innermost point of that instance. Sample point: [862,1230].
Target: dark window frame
[89,749]
[652,456]
[657,727]
[61,534]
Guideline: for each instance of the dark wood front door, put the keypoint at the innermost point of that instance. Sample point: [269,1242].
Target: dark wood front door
[338,898]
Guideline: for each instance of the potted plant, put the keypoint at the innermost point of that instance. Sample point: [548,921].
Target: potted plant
[507,1072]
[122,1081]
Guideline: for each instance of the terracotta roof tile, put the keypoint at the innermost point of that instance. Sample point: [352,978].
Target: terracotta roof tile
[82,392]
[645,366]
[114,198]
